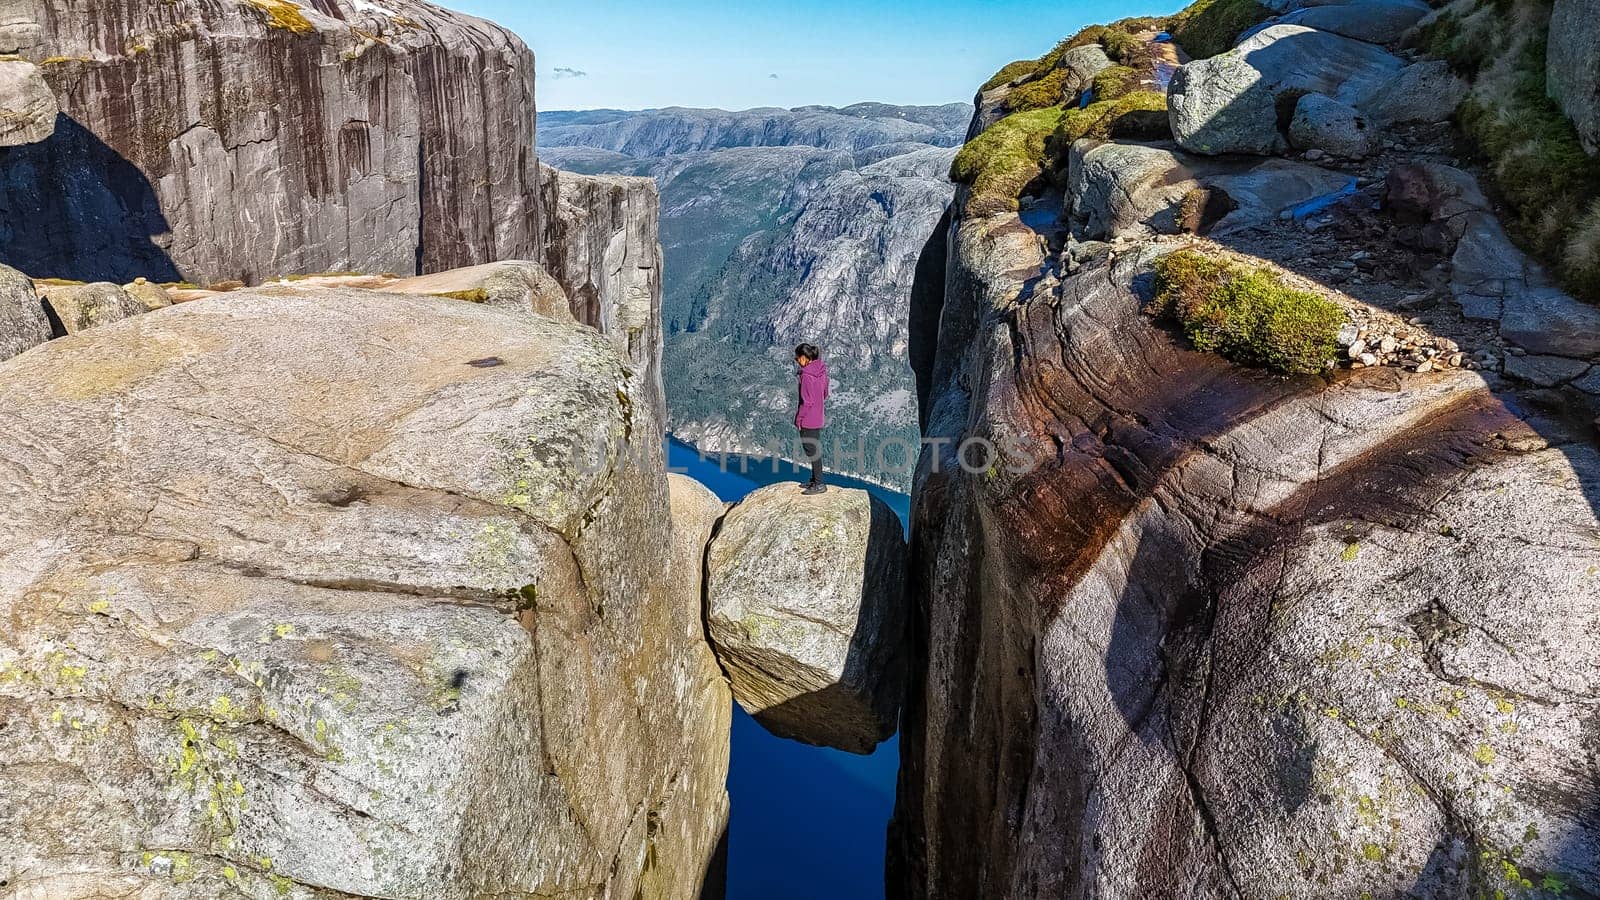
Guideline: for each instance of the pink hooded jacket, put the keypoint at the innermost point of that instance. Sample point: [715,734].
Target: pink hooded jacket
[813,393]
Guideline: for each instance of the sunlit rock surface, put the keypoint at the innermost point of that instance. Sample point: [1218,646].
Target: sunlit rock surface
[321,591]
[805,608]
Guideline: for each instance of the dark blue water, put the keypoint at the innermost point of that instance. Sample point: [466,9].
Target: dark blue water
[807,822]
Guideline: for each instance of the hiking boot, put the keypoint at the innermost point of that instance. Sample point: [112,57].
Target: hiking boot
[815,489]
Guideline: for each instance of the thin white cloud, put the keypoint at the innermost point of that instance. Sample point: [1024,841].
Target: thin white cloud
[560,72]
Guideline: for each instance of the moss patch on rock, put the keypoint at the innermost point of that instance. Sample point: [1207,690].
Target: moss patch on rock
[1208,27]
[1536,162]
[1246,314]
[1118,118]
[1004,161]
[1117,39]
[1011,72]
[1115,82]
[1045,91]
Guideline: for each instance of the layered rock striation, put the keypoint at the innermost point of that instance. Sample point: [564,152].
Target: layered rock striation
[1211,630]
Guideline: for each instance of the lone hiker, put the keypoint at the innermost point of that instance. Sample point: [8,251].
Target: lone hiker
[810,418]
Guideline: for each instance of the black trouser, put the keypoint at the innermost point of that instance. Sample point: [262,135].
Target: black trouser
[811,446]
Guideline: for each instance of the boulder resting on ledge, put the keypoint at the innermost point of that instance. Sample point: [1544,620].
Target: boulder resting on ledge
[23,324]
[28,108]
[806,612]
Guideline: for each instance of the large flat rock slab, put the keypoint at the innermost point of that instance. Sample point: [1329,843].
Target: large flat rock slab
[318,591]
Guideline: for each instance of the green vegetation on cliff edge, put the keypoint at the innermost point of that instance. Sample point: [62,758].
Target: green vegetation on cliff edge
[1209,27]
[1536,163]
[1002,162]
[1247,314]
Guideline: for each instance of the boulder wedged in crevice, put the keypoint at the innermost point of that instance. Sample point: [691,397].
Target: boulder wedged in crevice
[805,610]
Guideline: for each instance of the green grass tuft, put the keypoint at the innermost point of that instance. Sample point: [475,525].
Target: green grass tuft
[1247,315]
[1004,161]
[1115,82]
[1010,73]
[1209,27]
[1536,163]
[1049,90]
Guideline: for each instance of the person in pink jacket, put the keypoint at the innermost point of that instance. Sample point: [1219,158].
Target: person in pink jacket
[811,418]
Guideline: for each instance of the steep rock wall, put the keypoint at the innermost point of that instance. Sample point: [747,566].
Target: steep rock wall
[250,139]
[1229,633]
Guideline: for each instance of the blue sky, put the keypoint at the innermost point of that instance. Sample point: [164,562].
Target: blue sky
[636,54]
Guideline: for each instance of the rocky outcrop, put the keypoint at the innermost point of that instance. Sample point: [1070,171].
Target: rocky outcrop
[1373,21]
[603,246]
[805,608]
[1572,70]
[1207,631]
[513,285]
[334,591]
[23,324]
[80,306]
[250,139]
[27,107]
[1182,614]
[1229,103]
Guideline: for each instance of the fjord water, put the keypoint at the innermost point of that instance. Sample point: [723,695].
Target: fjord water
[807,821]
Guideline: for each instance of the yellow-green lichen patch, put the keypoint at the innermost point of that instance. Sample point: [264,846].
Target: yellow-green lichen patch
[285,15]
[470,295]
[205,766]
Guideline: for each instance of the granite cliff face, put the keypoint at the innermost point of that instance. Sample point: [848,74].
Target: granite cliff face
[1208,629]
[245,140]
[361,137]
[782,226]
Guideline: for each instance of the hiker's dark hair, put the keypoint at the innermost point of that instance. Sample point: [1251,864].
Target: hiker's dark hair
[809,351]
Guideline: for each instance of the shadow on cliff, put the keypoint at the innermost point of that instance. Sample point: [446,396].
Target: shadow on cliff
[71,207]
[1165,624]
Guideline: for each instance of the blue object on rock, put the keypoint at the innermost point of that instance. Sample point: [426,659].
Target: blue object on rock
[1302,211]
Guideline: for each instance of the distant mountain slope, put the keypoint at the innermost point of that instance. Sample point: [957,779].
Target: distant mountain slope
[664,132]
[777,228]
